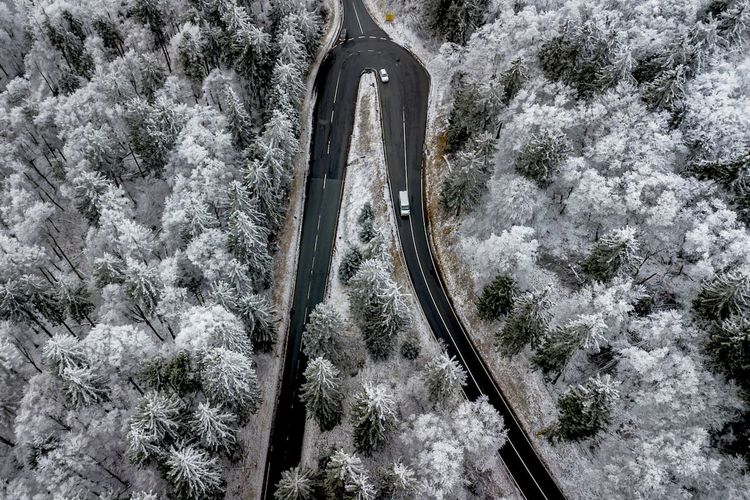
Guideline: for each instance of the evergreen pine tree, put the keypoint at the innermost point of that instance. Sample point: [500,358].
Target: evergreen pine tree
[497,298]
[350,264]
[321,393]
[556,349]
[729,347]
[379,307]
[74,299]
[465,184]
[322,334]
[296,484]
[238,120]
[585,410]
[541,157]
[228,379]
[614,253]
[667,91]
[216,428]
[526,325]
[373,417]
[465,117]
[444,378]
[512,80]
[410,348]
[62,352]
[725,294]
[82,386]
[194,474]
[399,482]
[345,478]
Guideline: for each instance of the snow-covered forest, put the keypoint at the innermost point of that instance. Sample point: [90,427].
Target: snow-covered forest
[593,162]
[146,160]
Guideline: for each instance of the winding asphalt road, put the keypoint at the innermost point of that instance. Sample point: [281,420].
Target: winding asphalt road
[404,116]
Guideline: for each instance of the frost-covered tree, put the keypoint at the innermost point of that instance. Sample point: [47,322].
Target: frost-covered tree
[467,115]
[142,286]
[63,352]
[667,91]
[615,253]
[497,298]
[74,299]
[203,327]
[410,347]
[729,347]
[248,242]
[465,184]
[216,428]
[556,349]
[373,417]
[238,120]
[724,295]
[579,58]
[541,157]
[296,484]
[322,335]
[512,80]
[455,20]
[350,263]
[321,393]
[345,478]
[379,307]
[399,482]
[585,410]
[444,378]
[366,221]
[193,473]
[228,379]
[82,386]
[526,324]
[155,424]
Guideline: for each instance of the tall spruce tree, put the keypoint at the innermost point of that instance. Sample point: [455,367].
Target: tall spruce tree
[585,410]
[725,294]
[497,298]
[465,184]
[444,377]
[321,393]
[614,253]
[542,156]
[323,332]
[373,417]
[345,478]
[296,484]
[527,323]
[379,307]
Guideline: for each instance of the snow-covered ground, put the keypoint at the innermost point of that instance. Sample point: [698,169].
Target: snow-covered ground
[245,480]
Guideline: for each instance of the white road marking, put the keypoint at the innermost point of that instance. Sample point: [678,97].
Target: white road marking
[360,24]
[332,111]
[336,92]
[325,176]
[328,151]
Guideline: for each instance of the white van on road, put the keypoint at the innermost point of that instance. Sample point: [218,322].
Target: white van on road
[403,201]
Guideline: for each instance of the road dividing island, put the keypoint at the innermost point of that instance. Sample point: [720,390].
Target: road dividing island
[366,182]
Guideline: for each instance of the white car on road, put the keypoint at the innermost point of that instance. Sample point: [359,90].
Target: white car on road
[383,76]
[403,201]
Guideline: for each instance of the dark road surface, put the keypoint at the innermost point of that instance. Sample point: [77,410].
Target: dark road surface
[404,115]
